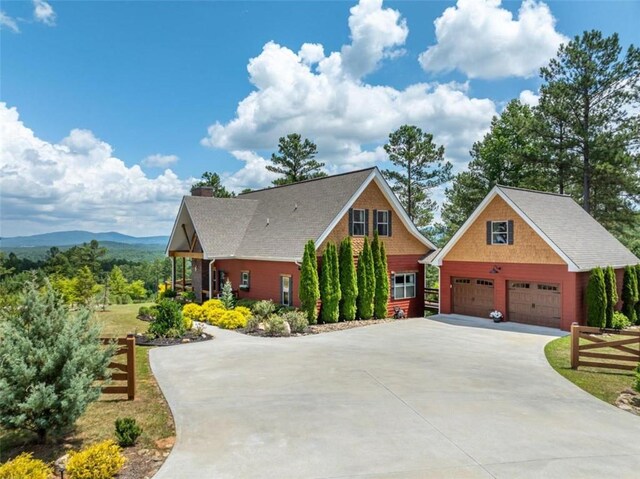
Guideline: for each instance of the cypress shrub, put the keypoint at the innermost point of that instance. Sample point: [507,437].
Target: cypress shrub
[366,282]
[596,299]
[348,281]
[382,283]
[612,294]
[630,293]
[329,285]
[638,288]
[309,290]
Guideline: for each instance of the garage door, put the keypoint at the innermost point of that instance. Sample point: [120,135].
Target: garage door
[535,303]
[473,297]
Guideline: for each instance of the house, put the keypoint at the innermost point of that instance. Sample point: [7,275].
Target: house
[256,240]
[528,255]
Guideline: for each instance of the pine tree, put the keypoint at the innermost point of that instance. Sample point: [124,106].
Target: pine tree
[296,160]
[596,299]
[329,285]
[630,294]
[612,294]
[638,287]
[309,290]
[348,281]
[382,284]
[366,282]
[335,279]
[52,360]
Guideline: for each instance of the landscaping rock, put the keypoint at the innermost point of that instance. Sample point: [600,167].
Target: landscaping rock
[61,463]
[629,400]
[287,329]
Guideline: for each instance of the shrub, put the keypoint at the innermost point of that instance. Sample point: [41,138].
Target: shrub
[381,298]
[212,311]
[275,325]
[51,363]
[244,311]
[122,299]
[227,295]
[188,296]
[348,282]
[636,385]
[127,431]
[246,303]
[25,466]
[297,321]
[283,308]
[193,312]
[612,294]
[212,303]
[366,282]
[330,285]
[309,291]
[168,317]
[168,293]
[262,309]
[100,461]
[253,323]
[630,294]
[596,299]
[144,311]
[232,320]
[620,321]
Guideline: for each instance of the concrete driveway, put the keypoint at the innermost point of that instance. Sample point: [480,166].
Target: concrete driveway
[420,398]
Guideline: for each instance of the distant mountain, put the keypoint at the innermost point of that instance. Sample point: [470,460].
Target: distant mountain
[70,238]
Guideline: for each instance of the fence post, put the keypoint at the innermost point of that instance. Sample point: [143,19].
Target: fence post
[131,366]
[575,345]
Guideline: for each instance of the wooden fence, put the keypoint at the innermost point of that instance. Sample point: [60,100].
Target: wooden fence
[432,298]
[625,343]
[127,370]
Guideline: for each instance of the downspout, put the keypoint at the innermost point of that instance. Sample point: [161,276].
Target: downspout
[211,278]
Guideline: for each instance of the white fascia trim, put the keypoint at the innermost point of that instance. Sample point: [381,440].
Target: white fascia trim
[175,226]
[391,198]
[345,209]
[257,258]
[437,261]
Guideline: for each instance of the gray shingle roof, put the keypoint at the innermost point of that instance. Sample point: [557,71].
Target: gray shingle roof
[580,237]
[274,222]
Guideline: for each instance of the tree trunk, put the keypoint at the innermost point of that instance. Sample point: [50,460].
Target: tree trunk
[409,196]
[42,436]
[586,185]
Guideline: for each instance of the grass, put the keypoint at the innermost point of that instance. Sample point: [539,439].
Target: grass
[149,408]
[605,384]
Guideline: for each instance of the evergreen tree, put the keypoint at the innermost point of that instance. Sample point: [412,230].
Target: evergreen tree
[348,281]
[295,161]
[596,299]
[612,294]
[421,167]
[630,294]
[366,282]
[227,298]
[330,285]
[638,288]
[375,256]
[118,284]
[52,360]
[213,181]
[382,284]
[309,290]
[86,286]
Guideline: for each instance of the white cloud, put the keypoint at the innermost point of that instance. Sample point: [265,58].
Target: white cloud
[324,98]
[9,23]
[43,12]
[78,183]
[253,174]
[483,40]
[159,161]
[527,97]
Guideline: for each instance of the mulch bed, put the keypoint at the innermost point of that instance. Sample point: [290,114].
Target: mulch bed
[329,327]
[144,463]
[189,337]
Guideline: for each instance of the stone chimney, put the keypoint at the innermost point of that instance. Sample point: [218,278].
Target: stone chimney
[202,191]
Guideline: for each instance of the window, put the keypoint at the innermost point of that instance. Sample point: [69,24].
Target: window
[520,285]
[499,232]
[285,290]
[548,287]
[244,280]
[484,282]
[359,220]
[382,219]
[462,281]
[404,285]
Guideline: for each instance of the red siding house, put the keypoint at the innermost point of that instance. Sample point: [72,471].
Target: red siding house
[528,255]
[256,240]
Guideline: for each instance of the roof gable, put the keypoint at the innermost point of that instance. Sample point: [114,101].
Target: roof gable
[571,232]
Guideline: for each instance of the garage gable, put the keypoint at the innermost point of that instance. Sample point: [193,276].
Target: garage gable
[499,234]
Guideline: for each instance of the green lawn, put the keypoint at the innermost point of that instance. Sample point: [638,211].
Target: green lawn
[605,384]
[149,408]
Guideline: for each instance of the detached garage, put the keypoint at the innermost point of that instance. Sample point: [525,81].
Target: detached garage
[528,255]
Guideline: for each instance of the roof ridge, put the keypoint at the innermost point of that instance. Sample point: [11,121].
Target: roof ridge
[309,180]
[530,190]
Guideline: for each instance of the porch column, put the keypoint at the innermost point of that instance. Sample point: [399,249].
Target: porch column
[173,273]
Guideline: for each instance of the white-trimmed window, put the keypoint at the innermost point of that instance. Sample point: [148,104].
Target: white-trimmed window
[244,279]
[382,222]
[404,285]
[359,222]
[285,290]
[499,232]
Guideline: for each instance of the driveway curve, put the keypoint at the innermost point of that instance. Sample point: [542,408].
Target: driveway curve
[420,398]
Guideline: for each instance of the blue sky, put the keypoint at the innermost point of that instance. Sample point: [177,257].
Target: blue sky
[91,89]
